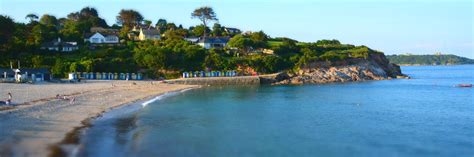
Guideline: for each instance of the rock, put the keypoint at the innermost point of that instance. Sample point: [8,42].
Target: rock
[376,67]
[403,77]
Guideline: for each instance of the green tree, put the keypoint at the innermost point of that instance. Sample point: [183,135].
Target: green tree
[240,42]
[37,61]
[213,61]
[217,30]
[199,30]
[49,20]
[7,27]
[259,39]
[32,17]
[129,18]
[58,69]
[206,15]
[161,25]
[147,22]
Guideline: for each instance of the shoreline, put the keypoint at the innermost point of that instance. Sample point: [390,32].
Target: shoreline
[73,137]
[49,127]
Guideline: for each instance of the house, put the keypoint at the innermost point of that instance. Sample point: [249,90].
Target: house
[232,30]
[58,45]
[192,40]
[25,74]
[149,34]
[214,42]
[268,51]
[102,38]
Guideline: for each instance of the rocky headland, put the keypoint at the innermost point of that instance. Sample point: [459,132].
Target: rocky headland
[375,67]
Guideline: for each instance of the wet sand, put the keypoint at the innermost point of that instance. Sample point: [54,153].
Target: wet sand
[40,122]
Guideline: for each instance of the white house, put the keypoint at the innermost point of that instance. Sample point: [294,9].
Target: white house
[193,40]
[103,38]
[58,45]
[149,34]
[214,42]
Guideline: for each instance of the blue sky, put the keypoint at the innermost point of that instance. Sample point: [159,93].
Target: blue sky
[391,26]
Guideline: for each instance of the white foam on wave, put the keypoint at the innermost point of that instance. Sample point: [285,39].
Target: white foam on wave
[168,94]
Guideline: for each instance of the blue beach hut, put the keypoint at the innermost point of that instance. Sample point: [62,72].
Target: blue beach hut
[105,76]
[111,76]
[98,76]
[139,76]
[122,76]
[185,74]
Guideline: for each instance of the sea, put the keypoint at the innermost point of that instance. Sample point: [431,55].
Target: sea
[426,115]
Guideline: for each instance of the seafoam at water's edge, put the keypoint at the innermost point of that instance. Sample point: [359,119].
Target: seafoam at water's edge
[66,148]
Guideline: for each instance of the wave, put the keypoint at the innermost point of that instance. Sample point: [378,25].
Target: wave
[132,108]
[162,96]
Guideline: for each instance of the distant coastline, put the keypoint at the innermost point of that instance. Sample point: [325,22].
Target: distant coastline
[422,60]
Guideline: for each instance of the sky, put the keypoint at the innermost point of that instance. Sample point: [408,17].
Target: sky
[391,26]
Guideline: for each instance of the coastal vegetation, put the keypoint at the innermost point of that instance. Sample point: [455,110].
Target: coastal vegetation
[166,57]
[436,59]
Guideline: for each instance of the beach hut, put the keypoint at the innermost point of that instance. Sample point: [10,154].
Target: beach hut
[116,76]
[71,76]
[98,76]
[128,76]
[234,73]
[122,76]
[139,76]
[105,76]
[185,74]
[134,76]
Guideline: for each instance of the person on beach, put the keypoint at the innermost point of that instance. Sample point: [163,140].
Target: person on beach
[9,100]
[72,100]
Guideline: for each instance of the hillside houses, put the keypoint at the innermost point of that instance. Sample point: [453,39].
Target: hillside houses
[214,42]
[149,34]
[58,45]
[102,38]
[101,35]
[144,32]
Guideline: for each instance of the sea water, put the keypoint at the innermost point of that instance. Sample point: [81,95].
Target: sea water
[423,116]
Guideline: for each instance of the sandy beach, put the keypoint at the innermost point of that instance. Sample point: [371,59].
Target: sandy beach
[40,121]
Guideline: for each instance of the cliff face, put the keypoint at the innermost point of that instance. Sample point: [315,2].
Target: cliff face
[375,67]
